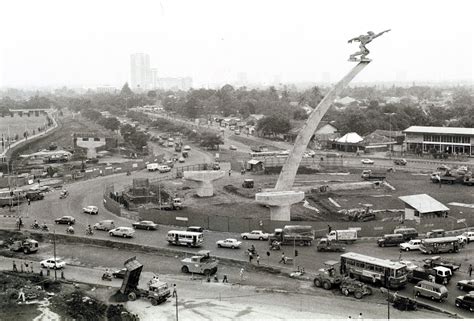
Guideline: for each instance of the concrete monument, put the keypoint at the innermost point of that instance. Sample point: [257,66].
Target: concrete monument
[204,180]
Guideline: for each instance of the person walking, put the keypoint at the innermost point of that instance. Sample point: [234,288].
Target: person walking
[283,259]
[241,275]
[174,291]
[250,257]
[14,266]
[21,295]
[470,270]
[224,279]
[258,259]
[360,317]
[26,267]
[230,172]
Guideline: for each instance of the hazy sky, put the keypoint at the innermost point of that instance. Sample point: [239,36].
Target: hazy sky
[85,42]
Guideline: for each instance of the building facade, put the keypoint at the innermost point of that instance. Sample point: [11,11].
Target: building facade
[140,72]
[448,140]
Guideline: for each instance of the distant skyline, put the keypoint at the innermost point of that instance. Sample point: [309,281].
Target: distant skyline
[89,43]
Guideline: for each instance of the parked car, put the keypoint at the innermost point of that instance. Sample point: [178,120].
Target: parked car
[93,210]
[401,161]
[431,290]
[145,225]
[119,274]
[255,235]
[412,245]
[465,302]
[232,243]
[122,231]
[181,160]
[390,240]
[367,161]
[53,264]
[232,147]
[105,225]
[466,285]
[164,168]
[65,220]
[469,236]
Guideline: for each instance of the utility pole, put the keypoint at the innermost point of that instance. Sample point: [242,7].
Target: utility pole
[54,249]
[176,306]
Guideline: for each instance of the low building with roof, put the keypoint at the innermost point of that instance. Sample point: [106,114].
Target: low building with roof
[448,140]
[350,142]
[422,206]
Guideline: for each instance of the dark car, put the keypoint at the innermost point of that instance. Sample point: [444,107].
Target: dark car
[119,274]
[145,225]
[195,229]
[465,302]
[65,220]
[466,285]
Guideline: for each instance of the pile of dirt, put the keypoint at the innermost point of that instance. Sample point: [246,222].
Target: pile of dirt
[243,192]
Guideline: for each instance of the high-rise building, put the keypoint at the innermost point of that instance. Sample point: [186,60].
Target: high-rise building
[140,72]
[154,78]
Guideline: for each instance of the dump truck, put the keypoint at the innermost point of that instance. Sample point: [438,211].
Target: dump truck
[26,246]
[293,234]
[439,261]
[158,293]
[324,245]
[368,175]
[202,263]
[175,204]
[344,236]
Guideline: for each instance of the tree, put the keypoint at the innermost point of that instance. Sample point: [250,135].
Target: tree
[211,140]
[300,114]
[138,140]
[126,91]
[111,123]
[151,94]
[273,125]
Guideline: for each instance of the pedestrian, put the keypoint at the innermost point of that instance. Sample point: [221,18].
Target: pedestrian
[21,267]
[224,279]
[470,270]
[241,275]
[329,228]
[250,257]
[174,291]
[230,172]
[360,317]
[21,295]
[31,266]
[283,259]
[14,266]
[26,267]
[258,259]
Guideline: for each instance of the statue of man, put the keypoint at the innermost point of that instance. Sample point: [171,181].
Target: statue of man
[364,39]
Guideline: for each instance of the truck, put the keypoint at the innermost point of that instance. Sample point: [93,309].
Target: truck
[468,180]
[293,234]
[26,246]
[438,261]
[368,175]
[324,245]
[152,167]
[158,292]
[344,236]
[177,147]
[175,204]
[202,263]
[438,274]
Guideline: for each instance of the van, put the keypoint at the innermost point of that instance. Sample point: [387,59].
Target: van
[105,225]
[431,290]
[152,167]
[390,240]
[407,232]
[436,233]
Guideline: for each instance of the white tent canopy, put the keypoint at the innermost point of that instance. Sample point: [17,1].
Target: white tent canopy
[350,138]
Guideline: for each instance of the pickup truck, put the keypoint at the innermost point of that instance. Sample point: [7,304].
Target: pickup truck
[438,261]
[202,263]
[369,176]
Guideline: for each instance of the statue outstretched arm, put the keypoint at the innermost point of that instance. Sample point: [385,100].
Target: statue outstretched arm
[378,35]
[353,39]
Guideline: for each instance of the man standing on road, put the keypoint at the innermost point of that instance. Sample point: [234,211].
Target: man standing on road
[470,270]
[174,291]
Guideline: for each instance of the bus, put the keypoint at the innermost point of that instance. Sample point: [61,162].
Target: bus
[374,270]
[448,244]
[271,154]
[190,239]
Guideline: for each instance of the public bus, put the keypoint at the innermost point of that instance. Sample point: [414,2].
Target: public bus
[448,244]
[275,153]
[190,239]
[374,270]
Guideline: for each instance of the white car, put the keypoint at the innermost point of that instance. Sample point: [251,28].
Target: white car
[232,243]
[164,168]
[232,147]
[469,236]
[462,239]
[186,147]
[367,161]
[53,264]
[412,245]
[122,231]
[255,235]
[93,210]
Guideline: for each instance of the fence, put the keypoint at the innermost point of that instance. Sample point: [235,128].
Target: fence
[184,218]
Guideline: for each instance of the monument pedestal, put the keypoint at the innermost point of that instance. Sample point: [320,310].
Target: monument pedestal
[280,203]
[204,180]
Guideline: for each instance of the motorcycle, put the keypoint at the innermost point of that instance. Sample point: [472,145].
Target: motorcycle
[89,232]
[70,230]
[35,226]
[128,173]
[106,277]
[44,228]
[275,246]
[251,251]
[63,194]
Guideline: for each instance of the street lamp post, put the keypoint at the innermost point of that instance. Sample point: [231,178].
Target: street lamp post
[390,133]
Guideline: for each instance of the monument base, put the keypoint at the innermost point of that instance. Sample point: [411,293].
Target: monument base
[204,180]
[280,203]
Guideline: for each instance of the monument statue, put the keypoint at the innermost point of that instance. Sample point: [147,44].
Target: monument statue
[364,39]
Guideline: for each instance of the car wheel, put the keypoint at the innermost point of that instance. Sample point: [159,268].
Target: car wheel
[417,294]
[25,251]
[382,245]
[111,234]
[358,295]
[94,227]
[260,238]
[326,285]
[154,301]
[148,228]
[207,272]
[56,222]
[407,249]
[42,265]
[245,237]
[218,245]
[461,288]
[185,269]
[432,298]
[457,304]
[132,296]
[124,236]
[232,247]
[345,292]
[471,309]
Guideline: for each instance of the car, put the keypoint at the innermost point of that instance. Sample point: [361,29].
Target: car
[65,220]
[367,161]
[104,225]
[198,229]
[255,235]
[410,265]
[92,210]
[164,168]
[145,225]
[122,231]
[401,162]
[53,263]
[186,147]
[469,236]
[232,243]
[181,160]
[462,239]
[216,166]
[465,301]
[232,147]
[466,285]
[412,245]
[119,274]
